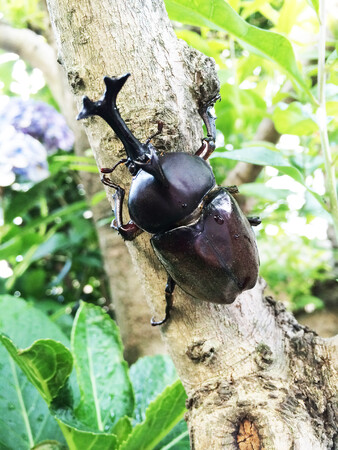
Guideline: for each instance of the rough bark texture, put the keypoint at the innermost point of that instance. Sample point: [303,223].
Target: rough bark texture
[128,299]
[249,369]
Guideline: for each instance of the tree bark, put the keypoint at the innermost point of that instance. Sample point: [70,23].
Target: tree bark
[255,378]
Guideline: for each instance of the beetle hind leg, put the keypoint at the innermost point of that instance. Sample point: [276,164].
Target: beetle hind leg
[169,290]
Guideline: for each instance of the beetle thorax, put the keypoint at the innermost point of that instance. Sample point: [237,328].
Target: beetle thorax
[155,206]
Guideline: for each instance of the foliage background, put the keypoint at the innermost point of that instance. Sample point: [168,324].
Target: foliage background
[46,228]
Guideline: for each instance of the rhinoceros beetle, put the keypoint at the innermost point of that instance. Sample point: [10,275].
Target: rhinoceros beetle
[199,233]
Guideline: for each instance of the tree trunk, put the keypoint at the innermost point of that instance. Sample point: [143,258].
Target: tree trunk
[254,377]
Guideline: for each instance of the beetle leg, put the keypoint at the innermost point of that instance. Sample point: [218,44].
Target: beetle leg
[254,221]
[130,230]
[159,131]
[169,290]
[105,170]
[208,143]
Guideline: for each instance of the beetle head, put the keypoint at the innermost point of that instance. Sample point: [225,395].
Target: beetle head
[140,156]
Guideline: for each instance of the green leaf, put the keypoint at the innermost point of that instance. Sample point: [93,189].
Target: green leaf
[315,5]
[255,155]
[150,375]
[24,416]
[46,363]
[74,159]
[102,373]
[56,242]
[260,190]
[98,197]
[49,445]
[122,429]
[84,168]
[161,416]
[19,245]
[23,201]
[219,15]
[66,213]
[263,156]
[238,110]
[176,439]
[288,15]
[195,40]
[301,301]
[294,119]
[80,439]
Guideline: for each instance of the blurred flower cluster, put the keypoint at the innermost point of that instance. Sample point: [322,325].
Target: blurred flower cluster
[30,131]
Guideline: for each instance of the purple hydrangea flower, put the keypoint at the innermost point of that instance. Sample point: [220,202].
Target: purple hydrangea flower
[22,156]
[29,131]
[40,121]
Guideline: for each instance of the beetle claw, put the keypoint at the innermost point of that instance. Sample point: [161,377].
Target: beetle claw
[160,322]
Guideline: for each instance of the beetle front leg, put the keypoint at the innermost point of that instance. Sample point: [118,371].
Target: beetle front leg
[232,189]
[159,131]
[208,143]
[169,290]
[130,230]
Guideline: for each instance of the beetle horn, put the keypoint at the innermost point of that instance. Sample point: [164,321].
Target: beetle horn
[153,166]
[107,109]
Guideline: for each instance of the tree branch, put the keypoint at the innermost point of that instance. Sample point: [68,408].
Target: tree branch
[32,48]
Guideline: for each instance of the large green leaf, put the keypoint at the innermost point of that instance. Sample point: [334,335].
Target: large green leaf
[219,15]
[176,439]
[81,439]
[161,416]
[46,363]
[264,156]
[150,375]
[102,373]
[49,445]
[24,417]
